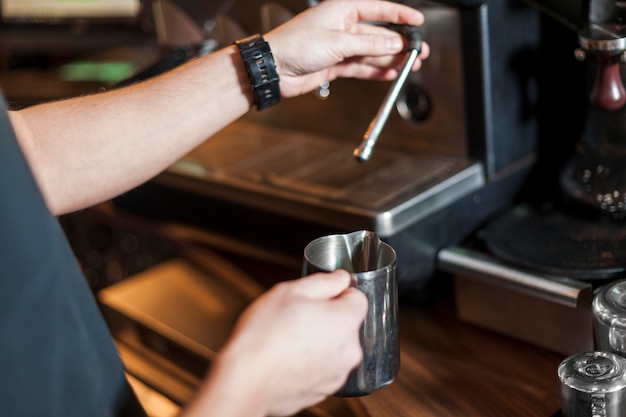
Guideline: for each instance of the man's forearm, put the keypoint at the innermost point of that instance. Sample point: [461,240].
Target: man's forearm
[88,149]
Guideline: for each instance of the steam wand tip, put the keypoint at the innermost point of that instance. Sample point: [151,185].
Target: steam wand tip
[360,155]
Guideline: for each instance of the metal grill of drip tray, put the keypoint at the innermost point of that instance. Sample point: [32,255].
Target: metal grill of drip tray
[317,179]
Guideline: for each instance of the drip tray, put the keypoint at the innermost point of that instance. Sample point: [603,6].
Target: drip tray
[317,179]
[549,311]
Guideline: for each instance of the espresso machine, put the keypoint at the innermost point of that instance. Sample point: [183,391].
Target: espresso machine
[548,253]
[583,222]
[460,144]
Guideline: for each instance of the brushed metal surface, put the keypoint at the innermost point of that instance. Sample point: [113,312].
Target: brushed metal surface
[547,311]
[315,178]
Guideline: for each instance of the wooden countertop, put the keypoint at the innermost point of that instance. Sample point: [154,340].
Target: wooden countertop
[451,368]
[448,367]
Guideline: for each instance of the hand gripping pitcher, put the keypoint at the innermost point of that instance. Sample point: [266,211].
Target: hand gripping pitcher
[372,264]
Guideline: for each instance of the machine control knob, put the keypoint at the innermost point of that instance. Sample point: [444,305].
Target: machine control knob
[414,104]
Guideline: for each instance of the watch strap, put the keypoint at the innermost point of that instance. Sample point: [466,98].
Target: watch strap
[261,68]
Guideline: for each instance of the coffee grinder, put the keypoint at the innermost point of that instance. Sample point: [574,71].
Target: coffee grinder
[578,228]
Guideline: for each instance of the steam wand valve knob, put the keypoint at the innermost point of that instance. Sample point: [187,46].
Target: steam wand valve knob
[364,151]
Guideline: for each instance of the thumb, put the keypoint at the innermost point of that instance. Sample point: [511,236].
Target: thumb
[322,285]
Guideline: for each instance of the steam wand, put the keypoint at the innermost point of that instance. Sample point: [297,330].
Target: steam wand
[414,47]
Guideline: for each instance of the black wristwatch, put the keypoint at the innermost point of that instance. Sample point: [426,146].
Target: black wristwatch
[259,63]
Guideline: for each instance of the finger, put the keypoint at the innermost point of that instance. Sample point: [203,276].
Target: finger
[396,62]
[368,71]
[370,44]
[322,285]
[354,301]
[425,52]
[373,11]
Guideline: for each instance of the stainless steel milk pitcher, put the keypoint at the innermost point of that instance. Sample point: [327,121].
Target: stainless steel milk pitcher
[372,264]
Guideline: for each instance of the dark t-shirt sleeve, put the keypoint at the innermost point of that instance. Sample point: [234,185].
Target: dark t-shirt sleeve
[57,356]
